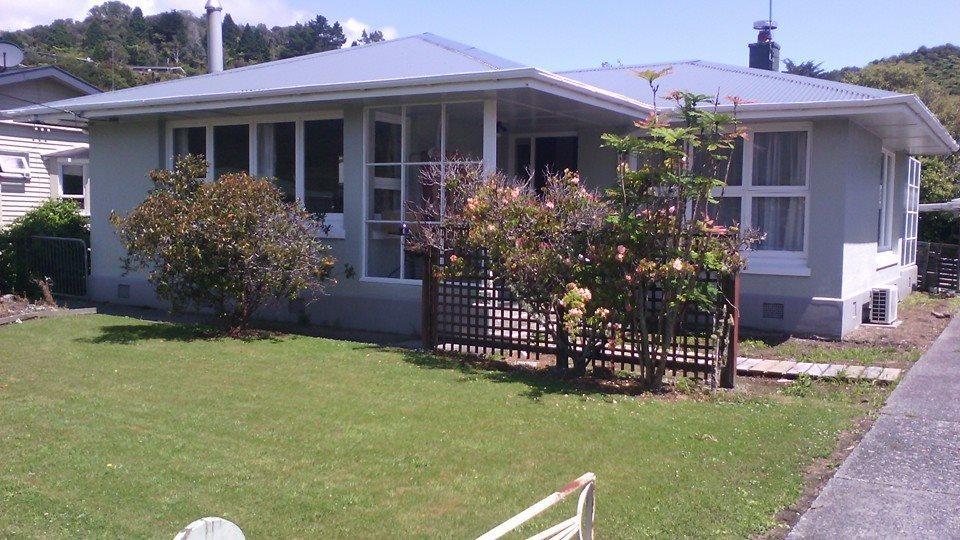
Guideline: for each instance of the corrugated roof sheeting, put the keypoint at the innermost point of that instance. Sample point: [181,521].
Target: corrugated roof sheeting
[416,56]
[754,85]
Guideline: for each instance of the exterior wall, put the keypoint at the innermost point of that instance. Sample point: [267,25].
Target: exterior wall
[121,155]
[18,197]
[844,183]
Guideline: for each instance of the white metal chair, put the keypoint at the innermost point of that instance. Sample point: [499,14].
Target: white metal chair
[580,526]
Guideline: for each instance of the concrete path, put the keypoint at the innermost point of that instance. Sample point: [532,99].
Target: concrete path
[790,369]
[903,480]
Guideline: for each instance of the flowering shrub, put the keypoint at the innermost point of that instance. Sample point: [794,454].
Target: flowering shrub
[592,261]
[232,245]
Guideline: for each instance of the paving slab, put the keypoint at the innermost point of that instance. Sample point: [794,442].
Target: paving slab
[833,370]
[858,509]
[903,479]
[744,364]
[799,368]
[853,372]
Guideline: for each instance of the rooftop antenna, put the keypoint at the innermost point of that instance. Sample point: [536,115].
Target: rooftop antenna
[10,55]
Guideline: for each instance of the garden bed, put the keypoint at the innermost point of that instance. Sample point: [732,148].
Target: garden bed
[923,317]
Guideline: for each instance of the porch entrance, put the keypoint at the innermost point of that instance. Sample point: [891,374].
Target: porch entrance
[540,155]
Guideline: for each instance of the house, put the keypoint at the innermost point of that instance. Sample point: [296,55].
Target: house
[827,173]
[39,161]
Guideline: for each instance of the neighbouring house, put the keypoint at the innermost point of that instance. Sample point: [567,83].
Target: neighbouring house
[827,173]
[41,161]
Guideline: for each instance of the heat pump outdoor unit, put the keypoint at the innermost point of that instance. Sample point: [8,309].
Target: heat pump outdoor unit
[883,305]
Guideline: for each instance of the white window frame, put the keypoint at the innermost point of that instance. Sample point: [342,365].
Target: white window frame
[21,173]
[911,212]
[85,197]
[888,170]
[786,263]
[334,220]
[488,160]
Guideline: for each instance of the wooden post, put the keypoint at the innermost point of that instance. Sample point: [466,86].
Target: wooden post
[428,319]
[732,293]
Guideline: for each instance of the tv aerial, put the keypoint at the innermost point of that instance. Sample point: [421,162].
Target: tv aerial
[10,55]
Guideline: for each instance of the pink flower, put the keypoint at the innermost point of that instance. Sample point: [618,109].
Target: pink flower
[677,264]
[621,253]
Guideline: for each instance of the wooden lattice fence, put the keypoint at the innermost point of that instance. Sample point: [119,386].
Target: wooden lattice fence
[937,267]
[474,312]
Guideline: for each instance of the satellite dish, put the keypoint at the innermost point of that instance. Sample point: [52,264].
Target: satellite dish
[10,55]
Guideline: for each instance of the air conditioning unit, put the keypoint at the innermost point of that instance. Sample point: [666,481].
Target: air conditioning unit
[883,305]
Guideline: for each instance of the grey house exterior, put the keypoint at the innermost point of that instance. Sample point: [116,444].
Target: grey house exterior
[827,172]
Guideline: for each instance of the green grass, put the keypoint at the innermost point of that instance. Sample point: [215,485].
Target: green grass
[866,355]
[113,427]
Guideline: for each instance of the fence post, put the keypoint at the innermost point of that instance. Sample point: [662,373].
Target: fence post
[732,293]
[428,321]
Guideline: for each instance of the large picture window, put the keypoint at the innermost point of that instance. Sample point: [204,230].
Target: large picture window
[302,153]
[768,191]
[402,145]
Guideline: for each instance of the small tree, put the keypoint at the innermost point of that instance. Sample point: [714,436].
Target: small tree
[232,245]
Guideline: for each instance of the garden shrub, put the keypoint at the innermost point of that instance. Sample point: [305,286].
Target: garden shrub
[586,261]
[232,245]
[53,218]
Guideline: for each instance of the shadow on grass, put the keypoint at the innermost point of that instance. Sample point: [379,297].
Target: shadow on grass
[539,382]
[127,334]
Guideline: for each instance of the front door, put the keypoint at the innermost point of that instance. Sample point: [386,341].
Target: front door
[538,156]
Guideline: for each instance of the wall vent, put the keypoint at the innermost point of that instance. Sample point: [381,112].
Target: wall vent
[123,291]
[773,310]
[883,305]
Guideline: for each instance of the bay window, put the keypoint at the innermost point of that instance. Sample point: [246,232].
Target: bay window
[767,191]
[402,146]
[303,154]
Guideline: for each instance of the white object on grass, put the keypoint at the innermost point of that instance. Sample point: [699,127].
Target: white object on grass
[211,528]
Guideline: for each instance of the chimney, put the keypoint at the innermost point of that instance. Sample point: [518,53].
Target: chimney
[214,36]
[765,53]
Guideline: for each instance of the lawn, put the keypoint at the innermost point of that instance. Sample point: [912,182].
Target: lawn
[114,427]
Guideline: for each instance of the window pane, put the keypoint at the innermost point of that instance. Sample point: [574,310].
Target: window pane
[702,166]
[276,156]
[384,193]
[421,194]
[781,219]
[553,155]
[423,134]
[323,158]
[192,140]
[735,176]
[780,158]
[726,212]
[387,126]
[231,149]
[71,180]
[464,131]
[522,165]
[383,250]
[414,264]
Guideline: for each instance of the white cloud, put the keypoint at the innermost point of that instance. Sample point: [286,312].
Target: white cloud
[352,29]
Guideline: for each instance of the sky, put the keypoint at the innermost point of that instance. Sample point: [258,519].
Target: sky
[566,34]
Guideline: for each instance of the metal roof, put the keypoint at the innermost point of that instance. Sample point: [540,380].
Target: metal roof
[754,85]
[404,58]
[20,74]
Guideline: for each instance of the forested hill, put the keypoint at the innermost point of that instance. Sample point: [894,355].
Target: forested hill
[104,47]
[941,63]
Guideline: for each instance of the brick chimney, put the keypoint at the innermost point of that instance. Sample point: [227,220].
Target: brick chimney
[765,53]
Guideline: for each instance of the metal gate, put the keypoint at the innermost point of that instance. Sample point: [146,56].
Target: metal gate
[63,262]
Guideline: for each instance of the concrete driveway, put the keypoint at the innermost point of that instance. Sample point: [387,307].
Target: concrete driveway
[903,480]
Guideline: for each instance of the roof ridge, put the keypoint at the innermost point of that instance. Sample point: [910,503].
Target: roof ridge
[825,84]
[628,66]
[445,43]
[270,63]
